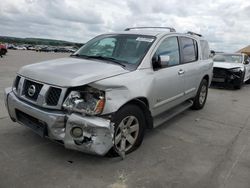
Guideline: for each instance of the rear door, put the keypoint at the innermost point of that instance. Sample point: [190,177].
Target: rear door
[191,65]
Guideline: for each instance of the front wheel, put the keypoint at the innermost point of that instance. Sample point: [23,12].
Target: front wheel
[238,86]
[201,96]
[241,82]
[248,81]
[129,129]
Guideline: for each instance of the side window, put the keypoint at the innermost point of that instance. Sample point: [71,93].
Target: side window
[170,47]
[205,50]
[189,49]
[104,47]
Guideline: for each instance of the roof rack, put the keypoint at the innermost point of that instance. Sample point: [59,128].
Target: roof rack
[169,28]
[193,33]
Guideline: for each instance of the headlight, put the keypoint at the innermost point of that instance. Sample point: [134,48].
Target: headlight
[16,83]
[88,101]
[237,69]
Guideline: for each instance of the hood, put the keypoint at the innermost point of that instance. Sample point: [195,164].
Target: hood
[70,72]
[226,65]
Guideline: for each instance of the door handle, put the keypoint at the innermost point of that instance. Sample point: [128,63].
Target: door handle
[181,72]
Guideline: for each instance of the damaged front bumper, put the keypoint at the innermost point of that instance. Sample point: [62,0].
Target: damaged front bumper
[226,76]
[96,136]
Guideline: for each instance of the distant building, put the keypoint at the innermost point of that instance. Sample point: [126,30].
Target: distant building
[245,50]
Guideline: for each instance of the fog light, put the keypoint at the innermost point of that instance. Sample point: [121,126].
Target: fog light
[76,132]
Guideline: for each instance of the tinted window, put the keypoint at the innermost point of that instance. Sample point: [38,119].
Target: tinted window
[189,49]
[205,49]
[170,47]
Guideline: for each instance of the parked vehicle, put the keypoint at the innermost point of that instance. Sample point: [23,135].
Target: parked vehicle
[20,48]
[103,97]
[3,49]
[47,49]
[63,50]
[31,48]
[232,69]
[10,46]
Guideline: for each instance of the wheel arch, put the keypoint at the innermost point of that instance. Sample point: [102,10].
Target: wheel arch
[206,77]
[143,104]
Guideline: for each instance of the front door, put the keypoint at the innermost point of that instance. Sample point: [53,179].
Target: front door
[168,88]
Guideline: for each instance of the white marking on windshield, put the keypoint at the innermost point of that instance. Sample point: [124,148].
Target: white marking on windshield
[142,39]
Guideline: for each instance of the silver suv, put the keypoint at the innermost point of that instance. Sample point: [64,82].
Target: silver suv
[103,97]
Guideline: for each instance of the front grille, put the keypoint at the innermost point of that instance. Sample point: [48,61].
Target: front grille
[36,87]
[53,96]
[219,73]
[39,94]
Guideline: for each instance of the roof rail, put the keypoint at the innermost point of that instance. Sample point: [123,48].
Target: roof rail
[169,28]
[193,33]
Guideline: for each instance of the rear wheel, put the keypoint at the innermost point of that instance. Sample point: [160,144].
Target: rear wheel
[201,96]
[129,129]
[1,52]
[4,51]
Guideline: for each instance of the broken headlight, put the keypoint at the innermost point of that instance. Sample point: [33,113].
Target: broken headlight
[237,69]
[88,101]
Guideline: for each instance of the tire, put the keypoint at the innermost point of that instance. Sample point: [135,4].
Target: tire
[239,85]
[248,81]
[4,51]
[201,96]
[130,115]
[1,52]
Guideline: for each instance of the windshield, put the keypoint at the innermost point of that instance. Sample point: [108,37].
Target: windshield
[228,58]
[122,48]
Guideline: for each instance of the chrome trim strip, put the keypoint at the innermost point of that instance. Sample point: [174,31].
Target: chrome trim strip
[189,90]
[168,100]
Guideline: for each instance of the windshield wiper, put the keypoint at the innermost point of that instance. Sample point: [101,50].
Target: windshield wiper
[116,61]
[110,59]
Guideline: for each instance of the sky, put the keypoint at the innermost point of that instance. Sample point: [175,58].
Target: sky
[224,23]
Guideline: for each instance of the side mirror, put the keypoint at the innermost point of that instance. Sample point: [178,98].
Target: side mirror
[160,61]
[212,53]
[246,62]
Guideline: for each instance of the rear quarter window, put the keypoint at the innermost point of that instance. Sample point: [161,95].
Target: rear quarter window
[189,50]
[205,51]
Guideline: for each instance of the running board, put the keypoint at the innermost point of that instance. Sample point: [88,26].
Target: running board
[165,116]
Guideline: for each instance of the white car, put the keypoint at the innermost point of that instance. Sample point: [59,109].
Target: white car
[233,69]
[20,48]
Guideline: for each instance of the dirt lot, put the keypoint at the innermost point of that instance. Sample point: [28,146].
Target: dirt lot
[207,148]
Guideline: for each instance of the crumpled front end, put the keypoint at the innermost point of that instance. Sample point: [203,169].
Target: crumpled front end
[227,76]
[93,134]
